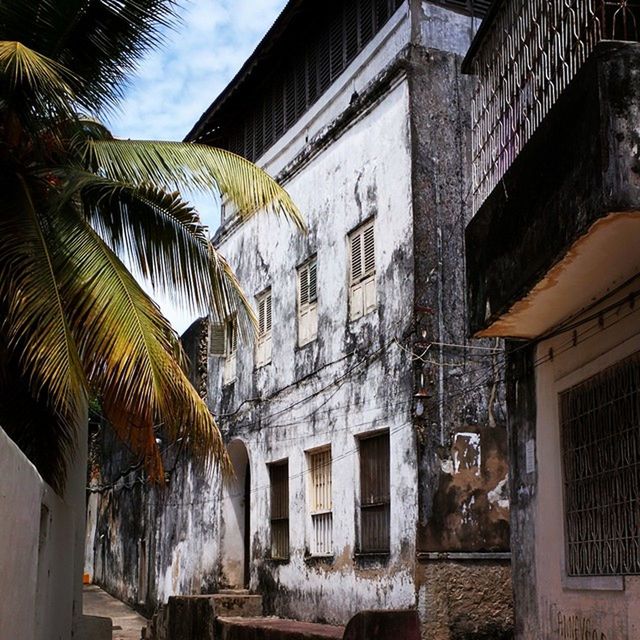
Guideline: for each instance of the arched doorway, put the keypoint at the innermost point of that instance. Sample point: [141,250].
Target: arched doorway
[236,509]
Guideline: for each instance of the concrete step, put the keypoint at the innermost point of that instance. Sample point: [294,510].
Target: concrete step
[237,604]
[233,628]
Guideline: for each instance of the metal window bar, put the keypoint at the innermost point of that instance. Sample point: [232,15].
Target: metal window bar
[532,52]
[321,502]
[375,490]
[600,432]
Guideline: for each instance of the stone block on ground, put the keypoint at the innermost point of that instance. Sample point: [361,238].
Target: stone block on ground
[384,625]
[94,628]
[274,629]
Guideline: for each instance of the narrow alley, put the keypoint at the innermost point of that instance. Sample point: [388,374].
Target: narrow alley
[127,624]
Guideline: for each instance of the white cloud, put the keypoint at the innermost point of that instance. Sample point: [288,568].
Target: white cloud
[175,86]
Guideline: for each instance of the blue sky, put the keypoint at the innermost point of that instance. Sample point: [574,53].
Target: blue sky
[174,86]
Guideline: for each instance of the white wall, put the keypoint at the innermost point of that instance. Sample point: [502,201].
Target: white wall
[365,172]
[37,535]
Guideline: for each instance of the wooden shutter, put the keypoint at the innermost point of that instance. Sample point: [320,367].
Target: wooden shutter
[303,280]
[216,340]
[268,313]
[262,315]
[313,281]
[356,257]
[369,250]
[375,494]
[279,476]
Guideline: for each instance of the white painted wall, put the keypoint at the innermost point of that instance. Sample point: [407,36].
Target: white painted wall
[365,172]
[610,613]
[37,536]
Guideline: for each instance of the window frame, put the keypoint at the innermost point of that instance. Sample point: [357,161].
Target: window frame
[264,343]
[573,382]
[370,506]
[230,369]
[316,514]
[307,311]
[274,467]
[362,280]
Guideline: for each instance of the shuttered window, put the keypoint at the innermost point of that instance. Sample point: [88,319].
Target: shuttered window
[217,344]
[279,477]
[307,302]
[321,502]
[362,248]
[230,338]
[263,350]
[305,74]
[374,494]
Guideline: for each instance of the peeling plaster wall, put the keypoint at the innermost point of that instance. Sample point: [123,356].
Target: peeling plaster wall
[352,379]
[175,527]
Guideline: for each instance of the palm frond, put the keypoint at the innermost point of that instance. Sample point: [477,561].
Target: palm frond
[35,82]
[178,165]
[35,329]
[130,352]
[162,238]
[101,41]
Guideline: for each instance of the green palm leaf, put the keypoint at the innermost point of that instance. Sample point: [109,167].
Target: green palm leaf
[162,237]
[100,41]
[35,328]
[132,355]
[198,167]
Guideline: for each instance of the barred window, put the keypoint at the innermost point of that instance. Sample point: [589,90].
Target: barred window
[279,476]
[600,431]
[375,500]
[320,487]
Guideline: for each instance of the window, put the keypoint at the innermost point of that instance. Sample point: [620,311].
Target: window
[374,494]
[321,502]
[279,476]
[363,271]
[600,439]
[230,350]
[263,351]
[307,303]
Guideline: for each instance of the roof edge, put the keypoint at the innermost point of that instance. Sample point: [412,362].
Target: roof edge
[262,48]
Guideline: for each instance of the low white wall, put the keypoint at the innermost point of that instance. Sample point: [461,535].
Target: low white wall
[36,552]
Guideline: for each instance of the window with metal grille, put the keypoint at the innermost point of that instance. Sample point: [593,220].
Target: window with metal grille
[600,432]
[321,502]
[375,500]
[307,302]
[263,349]
[305,76]
[279,476]
[230,339]
[362,249]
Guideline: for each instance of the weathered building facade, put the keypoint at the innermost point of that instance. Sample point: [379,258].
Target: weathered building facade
[553,265]
[367,433]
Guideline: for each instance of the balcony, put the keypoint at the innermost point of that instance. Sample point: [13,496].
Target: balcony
[556,136]
[525,57]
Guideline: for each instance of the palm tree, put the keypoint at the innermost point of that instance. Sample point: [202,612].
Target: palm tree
[79,209]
